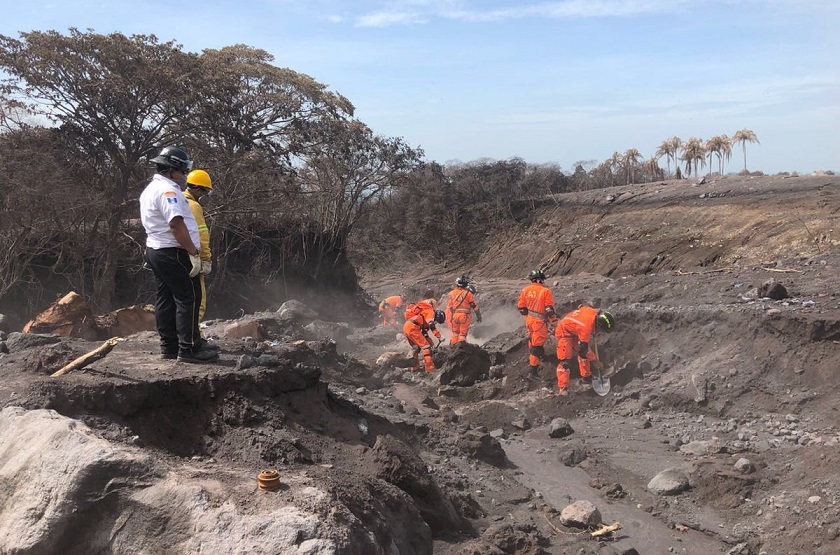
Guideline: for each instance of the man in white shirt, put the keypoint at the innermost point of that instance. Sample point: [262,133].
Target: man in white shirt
[172,251]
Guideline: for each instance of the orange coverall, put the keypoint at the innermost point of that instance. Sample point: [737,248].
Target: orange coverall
[459,310]
[576,327]
[537,304]
[390,308]
[419,320]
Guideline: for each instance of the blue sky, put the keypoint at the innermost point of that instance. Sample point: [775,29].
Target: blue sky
[548,81]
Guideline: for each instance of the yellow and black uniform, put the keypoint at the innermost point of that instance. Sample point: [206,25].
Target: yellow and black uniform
[205,254]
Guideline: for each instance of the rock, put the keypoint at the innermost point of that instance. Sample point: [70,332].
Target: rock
[560,427]
[392,358]
[744,466]
[740,549]
[699,387]
[580,514]
[483,447]
[464,365]
[3,323]
[773,289]
[498,433]
[669,482]
[572,454]
[338,331]
[496,372]
[243,328]
[429,402]
[296,311]
[396,463]
[814,499]
[701,448]
[52,469]
[20,341]
[244,361]
[521,423]
[267,361]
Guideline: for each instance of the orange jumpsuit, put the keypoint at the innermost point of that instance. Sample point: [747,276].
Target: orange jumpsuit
[390,308]
[419,320]
[536,303]
[576,327]
[459,308]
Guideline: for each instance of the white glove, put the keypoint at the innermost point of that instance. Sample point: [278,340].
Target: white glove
[206,267]
[195,260]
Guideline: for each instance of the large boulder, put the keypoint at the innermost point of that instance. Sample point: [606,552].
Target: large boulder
[464,365]
[669,482]
[396,463]
[53,471]
[580,514]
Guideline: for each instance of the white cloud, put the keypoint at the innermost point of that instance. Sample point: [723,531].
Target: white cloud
[422,11]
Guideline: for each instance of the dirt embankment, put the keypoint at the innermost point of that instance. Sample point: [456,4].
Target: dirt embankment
[711,380]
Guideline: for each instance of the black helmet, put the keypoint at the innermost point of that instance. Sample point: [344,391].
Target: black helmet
[173,158]
[537,275]
[440,316]
[605,320]
[462,281]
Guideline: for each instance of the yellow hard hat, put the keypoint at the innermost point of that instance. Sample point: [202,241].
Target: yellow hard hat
[199,178]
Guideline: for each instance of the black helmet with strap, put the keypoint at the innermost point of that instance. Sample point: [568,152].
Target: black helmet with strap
[173,158]
[462,281]
[440,316]
[605,320]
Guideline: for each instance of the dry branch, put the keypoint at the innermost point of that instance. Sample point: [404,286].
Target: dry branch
[681,273]
[606,529]
[783,270]
[88,358]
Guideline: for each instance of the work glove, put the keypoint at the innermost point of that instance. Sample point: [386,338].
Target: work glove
[195,260]
[478,317]
[583,351]
[206,267]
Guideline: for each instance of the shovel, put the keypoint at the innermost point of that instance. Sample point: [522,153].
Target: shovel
[601,384]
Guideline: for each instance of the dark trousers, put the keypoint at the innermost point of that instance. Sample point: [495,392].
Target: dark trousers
[178,299]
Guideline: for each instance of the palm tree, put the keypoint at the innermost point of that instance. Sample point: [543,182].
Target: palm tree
[666,149]
[745,136]
[694,153]
[724,150]
[632,157]
[616,163]
[711,147]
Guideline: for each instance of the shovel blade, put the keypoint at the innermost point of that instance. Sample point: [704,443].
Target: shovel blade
[601,385]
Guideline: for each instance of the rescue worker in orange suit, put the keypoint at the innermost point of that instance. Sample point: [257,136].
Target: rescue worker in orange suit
[199,185]
[420,319]
[459,308]
[390,308]
[536,303]
[574,333]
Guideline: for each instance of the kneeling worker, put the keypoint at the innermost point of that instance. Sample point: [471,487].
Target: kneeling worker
[420,319]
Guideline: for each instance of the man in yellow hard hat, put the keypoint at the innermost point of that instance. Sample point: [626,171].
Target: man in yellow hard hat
[198,185]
